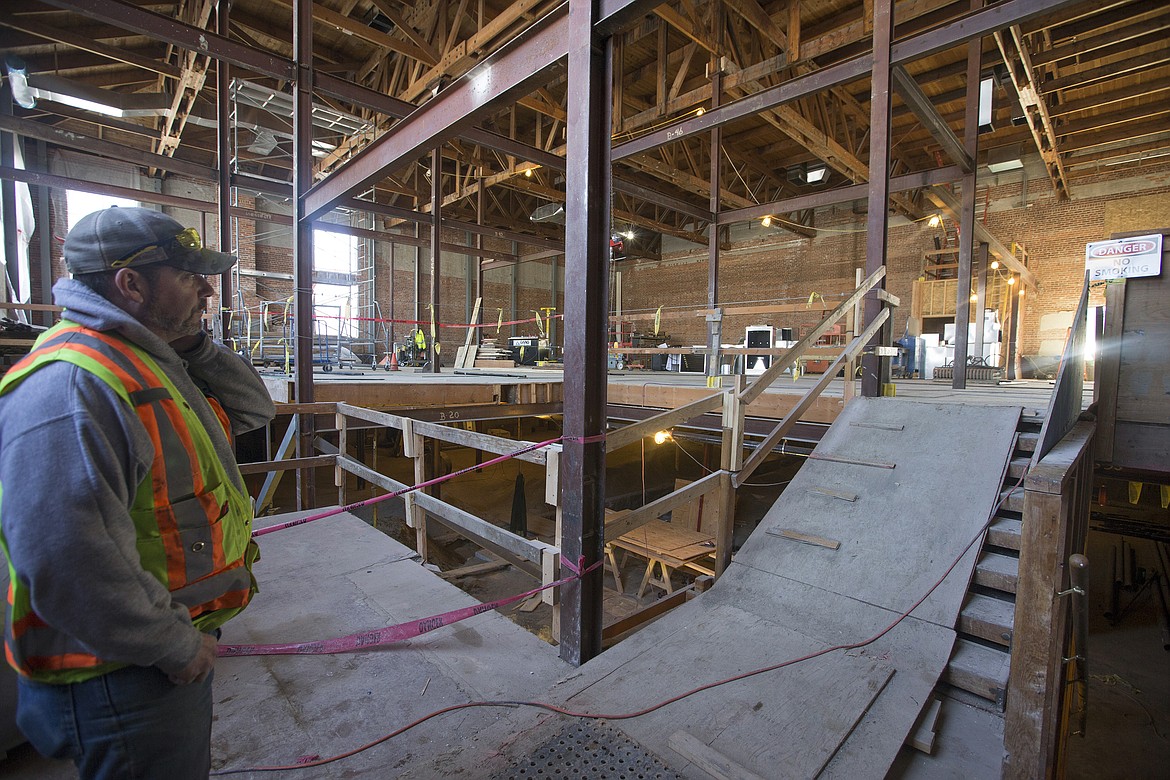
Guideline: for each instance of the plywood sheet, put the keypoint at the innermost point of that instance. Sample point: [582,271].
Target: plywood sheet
[907,523]
[337,576]
[793,718]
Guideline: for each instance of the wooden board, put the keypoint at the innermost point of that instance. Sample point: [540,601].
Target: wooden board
[907,523]
[795,717]
[338,576]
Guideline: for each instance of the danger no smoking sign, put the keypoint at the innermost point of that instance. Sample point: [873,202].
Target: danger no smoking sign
[1124,258]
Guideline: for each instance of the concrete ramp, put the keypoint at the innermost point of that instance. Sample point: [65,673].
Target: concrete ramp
[891,496]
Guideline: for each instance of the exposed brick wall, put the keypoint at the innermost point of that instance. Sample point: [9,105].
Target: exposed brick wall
[1055,234]
[788,271]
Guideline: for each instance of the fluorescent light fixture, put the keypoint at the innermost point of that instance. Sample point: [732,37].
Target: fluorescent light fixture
[102,101]
[986,88]
[1004,158]
[817,174]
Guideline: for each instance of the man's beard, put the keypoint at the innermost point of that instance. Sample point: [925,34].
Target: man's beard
[172,325]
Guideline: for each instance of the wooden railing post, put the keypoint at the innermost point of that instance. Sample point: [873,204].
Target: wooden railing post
[1055,516]
[342,443]
[731,461]
[414,446]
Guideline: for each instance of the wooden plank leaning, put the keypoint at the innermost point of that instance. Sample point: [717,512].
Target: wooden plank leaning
[793,417]
[655,509]
[752,391]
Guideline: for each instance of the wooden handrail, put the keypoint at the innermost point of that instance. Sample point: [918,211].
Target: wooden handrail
[1067,400]
[631,433]
[793,417]
[1055,522]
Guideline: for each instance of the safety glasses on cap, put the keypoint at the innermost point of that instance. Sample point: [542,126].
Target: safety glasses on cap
[188,239]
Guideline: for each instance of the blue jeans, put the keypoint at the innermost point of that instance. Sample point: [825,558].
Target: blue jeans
[130,723]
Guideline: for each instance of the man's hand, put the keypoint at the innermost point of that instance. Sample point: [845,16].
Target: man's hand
[201,665]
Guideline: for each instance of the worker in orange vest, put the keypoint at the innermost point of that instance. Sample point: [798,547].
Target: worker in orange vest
[128,554]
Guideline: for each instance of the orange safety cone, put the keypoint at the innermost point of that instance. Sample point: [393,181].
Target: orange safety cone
[393,362]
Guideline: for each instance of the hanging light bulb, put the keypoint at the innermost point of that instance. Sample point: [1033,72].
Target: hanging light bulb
[1022,291]
[661,437]
[1011,280]
[528,172]
[700,112]
[935,220]
[994,265]
[974,297]
[766,221]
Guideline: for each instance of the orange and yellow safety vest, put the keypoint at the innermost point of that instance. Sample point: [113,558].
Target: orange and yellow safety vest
[193,524]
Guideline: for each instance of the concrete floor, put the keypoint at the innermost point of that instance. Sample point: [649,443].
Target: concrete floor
[276,709]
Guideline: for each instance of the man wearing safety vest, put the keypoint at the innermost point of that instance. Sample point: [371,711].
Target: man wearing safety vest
[420,347]
[122,510]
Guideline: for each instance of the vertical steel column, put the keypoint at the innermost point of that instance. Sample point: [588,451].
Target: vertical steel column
[715,318]
[303,240]
[224,155]
[549,325]
[967,215]
[417,287]
[8,194]
[436,250]
[979,270]
[514,275]
[587,206]
[875,370]
[478,338]
[45,220]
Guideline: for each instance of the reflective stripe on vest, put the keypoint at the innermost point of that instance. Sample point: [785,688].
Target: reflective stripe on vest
[193,525]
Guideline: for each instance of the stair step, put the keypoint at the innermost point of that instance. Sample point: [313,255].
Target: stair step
[988,618]
[1012,500]
[1031,422]
[1026,442]
[1005,532]
[978,669]
[1016,468]
[997,571]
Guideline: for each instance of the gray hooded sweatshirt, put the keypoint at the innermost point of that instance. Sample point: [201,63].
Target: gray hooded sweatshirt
[72,455]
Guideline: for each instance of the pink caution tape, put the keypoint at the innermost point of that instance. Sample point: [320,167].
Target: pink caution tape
[397,633]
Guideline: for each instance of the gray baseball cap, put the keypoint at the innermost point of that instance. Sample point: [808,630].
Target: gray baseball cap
[131,237]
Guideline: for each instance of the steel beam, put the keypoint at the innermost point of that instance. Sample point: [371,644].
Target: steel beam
[967,215]
[909,181]
[223,137]
[8,202]
[177,33]
[436,250]
[499,78]
[974,25]
[873,368]
[303,242]
[586,322]
[91,145]
[715,319]
[946,200]
[917,101]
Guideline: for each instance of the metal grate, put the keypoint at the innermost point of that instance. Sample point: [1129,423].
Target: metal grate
[590,749]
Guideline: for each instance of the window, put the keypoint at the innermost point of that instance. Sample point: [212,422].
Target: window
[334,291]
[81,203]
